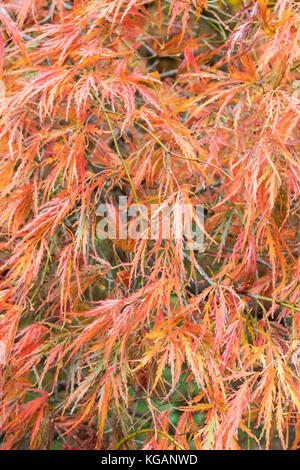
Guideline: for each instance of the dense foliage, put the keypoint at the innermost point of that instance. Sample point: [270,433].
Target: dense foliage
[143,343]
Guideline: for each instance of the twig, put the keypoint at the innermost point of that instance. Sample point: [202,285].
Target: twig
[205,162]
[179,156]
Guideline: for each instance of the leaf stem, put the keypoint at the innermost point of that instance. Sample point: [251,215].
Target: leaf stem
[119,154]
[142,431]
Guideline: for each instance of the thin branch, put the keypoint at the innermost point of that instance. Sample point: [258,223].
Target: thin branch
[142,431]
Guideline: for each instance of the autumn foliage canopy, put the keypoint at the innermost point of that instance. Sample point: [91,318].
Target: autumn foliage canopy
[144,343]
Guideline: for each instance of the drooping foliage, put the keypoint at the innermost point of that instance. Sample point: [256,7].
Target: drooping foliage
[171,103]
